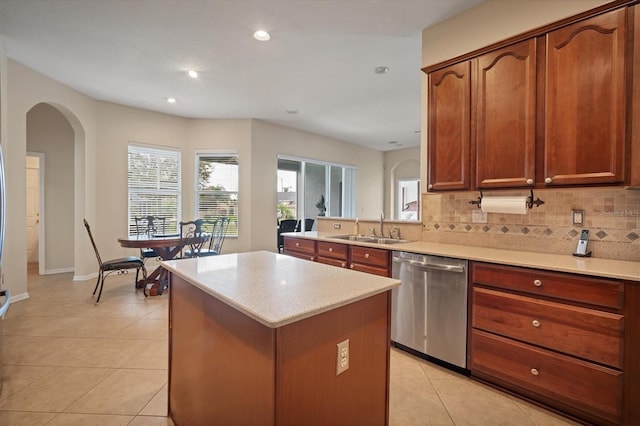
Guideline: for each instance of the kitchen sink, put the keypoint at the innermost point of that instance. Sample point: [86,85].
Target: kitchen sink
[369,239]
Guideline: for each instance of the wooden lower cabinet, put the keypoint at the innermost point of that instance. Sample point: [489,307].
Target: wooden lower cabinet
[301,248]
[557,338]
[580,388]
[335,254]
[370,260]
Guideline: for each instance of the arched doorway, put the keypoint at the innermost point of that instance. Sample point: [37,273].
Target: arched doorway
[51,135]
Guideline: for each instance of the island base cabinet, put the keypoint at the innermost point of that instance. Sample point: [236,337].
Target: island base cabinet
[227,368]
[583,389]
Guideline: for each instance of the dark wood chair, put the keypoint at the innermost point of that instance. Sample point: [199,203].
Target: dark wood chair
[285,225]
[192,237]
[149,226]
[120,266]
[217,229]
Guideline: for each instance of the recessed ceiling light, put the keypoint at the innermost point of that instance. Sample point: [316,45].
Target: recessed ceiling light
[292,111]
[261,35]
[381,69]
[171,100]
[393,142]
[192,74]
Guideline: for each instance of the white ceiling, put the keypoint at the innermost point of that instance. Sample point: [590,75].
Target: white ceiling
[320,60]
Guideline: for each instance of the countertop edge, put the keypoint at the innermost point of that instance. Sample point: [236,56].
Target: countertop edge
[597,267]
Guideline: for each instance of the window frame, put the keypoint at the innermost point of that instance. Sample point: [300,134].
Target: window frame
[233,231]
[169,153]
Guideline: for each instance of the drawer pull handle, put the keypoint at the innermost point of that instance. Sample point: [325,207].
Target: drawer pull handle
[351,266]
[548,180]
[529,181]
[535,371]
[330,249]
[535,323]
[343,264]
[366,255]
[297,244]
[537,283]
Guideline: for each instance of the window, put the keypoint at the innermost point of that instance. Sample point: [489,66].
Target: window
[154,185]
[217,188]
[310,188]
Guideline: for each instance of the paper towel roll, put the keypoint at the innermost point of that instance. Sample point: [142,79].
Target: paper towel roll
[510,205]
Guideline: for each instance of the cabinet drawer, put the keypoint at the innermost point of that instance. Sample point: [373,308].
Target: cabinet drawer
[589,290]
[384,272]
[567,383]
[341,263]
[334,250]
[300,245]
[370,256]
[586,333]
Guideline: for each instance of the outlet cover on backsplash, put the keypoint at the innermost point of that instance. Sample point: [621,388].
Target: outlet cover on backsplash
[611,214]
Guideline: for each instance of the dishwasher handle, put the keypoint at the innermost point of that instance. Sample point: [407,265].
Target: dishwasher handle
[427,265]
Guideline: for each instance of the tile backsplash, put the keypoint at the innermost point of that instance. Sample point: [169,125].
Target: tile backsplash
[612,216]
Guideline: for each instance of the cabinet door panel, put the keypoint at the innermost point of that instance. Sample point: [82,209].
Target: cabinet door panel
[585,101]
[506,126]
[449,126]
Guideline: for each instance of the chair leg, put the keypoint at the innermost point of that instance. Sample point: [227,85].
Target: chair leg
[135,283]
[97,282]
[101,278]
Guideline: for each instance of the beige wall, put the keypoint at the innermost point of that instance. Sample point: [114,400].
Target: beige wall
[101,132]
[26,88]
[398,164]
[49,133]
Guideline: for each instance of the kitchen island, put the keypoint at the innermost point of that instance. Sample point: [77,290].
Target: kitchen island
[253,339]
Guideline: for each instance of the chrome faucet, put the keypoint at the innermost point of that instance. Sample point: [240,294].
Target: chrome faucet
[381,222]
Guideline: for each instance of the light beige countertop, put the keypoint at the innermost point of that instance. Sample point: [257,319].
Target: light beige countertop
[275,289]
[610,268]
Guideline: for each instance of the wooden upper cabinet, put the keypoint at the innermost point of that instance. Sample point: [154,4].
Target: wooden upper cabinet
[585,101]
[505,86]
[449,128]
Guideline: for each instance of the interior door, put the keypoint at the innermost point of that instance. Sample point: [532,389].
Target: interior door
[33,208]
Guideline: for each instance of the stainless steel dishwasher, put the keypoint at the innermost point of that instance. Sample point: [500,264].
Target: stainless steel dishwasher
[429,309]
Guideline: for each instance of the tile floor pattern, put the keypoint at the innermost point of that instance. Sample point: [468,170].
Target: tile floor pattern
[69,362]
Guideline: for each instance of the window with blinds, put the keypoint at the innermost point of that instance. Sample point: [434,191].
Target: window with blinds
[217,189]
[154,185]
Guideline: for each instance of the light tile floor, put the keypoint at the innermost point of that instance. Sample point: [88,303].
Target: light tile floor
[70,362]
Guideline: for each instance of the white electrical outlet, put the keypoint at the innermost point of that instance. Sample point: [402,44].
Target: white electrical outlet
[336,226]
[342,360]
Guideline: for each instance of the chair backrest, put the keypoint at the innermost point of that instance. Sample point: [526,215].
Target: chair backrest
[150,225]
[93,243]
[189,231]
[308,224]
[218,230]
[287,225]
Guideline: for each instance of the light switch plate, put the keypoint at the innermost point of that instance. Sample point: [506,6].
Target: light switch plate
[577,217]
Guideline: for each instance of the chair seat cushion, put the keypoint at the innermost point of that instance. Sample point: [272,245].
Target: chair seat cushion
[128,262]
[150,253]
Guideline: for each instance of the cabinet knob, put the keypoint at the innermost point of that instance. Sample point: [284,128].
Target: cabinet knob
[330,249]
[297,244]
[366,255]
[529,181]
[343,264]
[535,371]
[311,258]
[351,266]
[537,283]
[430,186]
[535,323]
[548,180]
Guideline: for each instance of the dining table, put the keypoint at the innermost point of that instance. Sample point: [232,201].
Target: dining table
[168,246]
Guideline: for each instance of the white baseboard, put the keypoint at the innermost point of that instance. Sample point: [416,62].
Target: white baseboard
[18,297]
[57,271]
[85,277]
